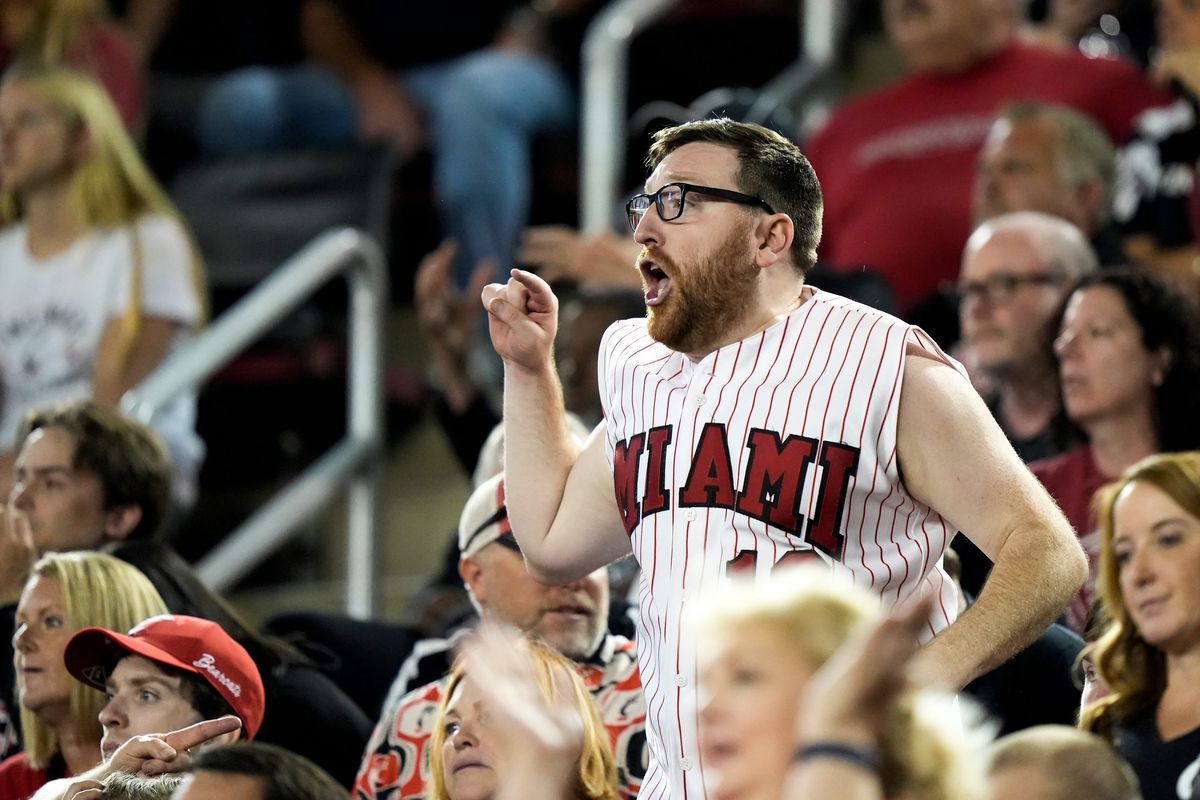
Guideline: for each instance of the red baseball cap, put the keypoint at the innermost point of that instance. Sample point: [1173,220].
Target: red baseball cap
[189,644]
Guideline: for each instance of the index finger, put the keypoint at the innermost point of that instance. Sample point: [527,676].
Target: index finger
[201,732]
[541,296]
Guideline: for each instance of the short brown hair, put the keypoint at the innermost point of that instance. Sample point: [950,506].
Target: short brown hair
[769,167]
[130,461]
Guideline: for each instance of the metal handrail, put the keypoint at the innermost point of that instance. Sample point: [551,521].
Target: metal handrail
[605,77]
[354,462]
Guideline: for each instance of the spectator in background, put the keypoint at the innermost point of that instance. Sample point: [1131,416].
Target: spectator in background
[77,34]
[1054,762]
[571,618]
[170,672]
[472,82]
[256,771]
[1150,557]
[99,281]
[896,165]
[1128,351]
[760,646]
[306,712]
[85,477]
[1157,203]
[518,712]
[59,716]
[1016,271]
[1053,159]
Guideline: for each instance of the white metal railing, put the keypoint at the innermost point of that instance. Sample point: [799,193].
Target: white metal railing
[605,78]
[354,462]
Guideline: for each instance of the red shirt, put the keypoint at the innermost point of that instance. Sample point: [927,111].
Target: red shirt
[1072,479]
[896,166]
[18,780]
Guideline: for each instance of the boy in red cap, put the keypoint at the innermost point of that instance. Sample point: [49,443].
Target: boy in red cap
[162,678]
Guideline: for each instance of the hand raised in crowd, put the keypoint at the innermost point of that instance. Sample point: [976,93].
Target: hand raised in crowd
[17,553]
[559,252]
[448,318]
[847,704]
[522,320]
[158,753]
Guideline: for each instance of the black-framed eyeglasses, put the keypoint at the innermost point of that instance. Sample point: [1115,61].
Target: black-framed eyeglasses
[671,199]
[1001,287]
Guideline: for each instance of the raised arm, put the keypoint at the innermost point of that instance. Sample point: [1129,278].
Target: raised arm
[954,457]
[560,497]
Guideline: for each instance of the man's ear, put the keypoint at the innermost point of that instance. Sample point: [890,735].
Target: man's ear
[119,521]
[226,738]
[774,240]
[471,571]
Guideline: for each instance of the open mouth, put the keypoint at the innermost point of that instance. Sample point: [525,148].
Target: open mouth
[570,612]
[657,283]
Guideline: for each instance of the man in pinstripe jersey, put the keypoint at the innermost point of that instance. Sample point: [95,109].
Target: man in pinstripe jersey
[752,420]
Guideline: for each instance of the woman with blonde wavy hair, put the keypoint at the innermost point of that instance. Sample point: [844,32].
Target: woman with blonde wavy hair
[1150,653]
[65,593]
[517,721]
[99,280]
[765,654]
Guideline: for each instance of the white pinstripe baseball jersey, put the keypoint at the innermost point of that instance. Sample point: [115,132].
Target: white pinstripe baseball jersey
[779,447]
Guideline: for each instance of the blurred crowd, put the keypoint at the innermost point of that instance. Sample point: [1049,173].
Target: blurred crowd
[1023,188]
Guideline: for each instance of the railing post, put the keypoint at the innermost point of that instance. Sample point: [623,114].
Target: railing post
[364,410]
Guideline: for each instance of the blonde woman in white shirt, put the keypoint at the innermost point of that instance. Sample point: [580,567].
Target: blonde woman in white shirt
[99,279]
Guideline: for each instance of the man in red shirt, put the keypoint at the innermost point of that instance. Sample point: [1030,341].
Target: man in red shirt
[897,165]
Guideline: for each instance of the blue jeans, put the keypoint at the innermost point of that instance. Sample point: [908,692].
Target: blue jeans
[483,110]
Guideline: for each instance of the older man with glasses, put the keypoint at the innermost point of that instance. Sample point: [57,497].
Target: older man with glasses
[752,420]
[1016,271]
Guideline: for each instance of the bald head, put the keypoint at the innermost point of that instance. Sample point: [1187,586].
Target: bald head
[1016,272]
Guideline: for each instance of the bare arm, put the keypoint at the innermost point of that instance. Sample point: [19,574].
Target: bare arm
[116,372]
[955,459]
[147,21]
[560,498]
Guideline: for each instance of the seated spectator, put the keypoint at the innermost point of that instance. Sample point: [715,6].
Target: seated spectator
[77,34]
[169,672]
[759,649]
[897,165]
[86,477]
[1128,350]
[1150,556]
[517,720]
[256,771]
[124,786]
[1156,201]
[100,279]
[90,478]
[1054,762]
[1052,159]
[306,712]
[1092,685]
[571,618]
[59,717]
[1016,271]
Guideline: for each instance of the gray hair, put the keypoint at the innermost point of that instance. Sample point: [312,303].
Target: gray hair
[126,786]
[1060,243]
[1083,151]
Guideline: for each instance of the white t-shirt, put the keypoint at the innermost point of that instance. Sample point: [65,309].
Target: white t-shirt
[53,314]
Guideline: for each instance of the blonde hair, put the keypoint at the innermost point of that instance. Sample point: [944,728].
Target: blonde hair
[111,187]
[597,774]
[98,590]
[1073,763]
[926,754]
[1134,670]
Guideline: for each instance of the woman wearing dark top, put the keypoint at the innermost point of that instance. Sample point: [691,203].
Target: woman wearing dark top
[1150,653]
[306,712]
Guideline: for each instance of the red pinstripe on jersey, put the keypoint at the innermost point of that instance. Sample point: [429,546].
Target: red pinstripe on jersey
[781,445]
